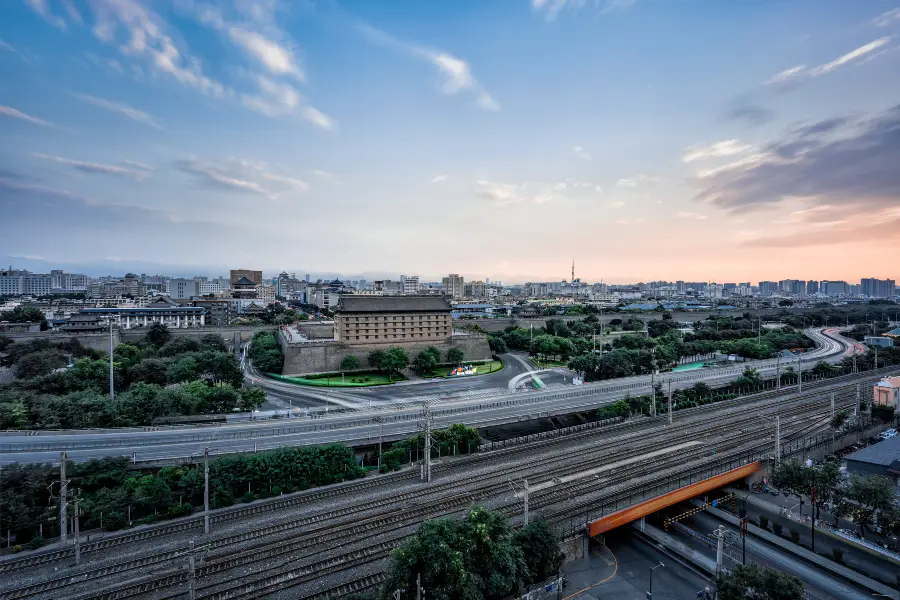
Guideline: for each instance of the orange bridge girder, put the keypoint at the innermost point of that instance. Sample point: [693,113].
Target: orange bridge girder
[647,507]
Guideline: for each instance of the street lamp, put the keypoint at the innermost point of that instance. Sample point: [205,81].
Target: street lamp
[650,592]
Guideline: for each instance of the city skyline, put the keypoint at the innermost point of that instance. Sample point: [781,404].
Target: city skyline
[649,140]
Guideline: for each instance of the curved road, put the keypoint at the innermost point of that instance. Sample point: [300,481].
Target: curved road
[363,426]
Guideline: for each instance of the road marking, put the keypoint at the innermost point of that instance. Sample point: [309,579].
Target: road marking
[602,581]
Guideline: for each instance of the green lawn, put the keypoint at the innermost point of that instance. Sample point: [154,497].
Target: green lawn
[483,369]
[357,379]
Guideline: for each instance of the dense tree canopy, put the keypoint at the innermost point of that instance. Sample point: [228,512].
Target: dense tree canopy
[265,353]
[751,582]
[178,377]
[480,557]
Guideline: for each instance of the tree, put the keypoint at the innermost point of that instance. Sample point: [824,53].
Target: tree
[865,497]
[819,485]
[39,363]
[540,547]
[179,345]
[426,360]
[349,363]
[497,344]
[473,559]
[151,492]
[750,377]
[395,360]
[750,582]
[184,369]
[455,355]
[214,342]
[149,370]
[839,419]
[158,334]
[29,314]
[376,359]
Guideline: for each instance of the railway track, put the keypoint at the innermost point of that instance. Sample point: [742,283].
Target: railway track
[550,466]
[290,577]
[232,514]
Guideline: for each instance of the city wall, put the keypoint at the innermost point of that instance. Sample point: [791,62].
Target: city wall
[325,356]
[100,341]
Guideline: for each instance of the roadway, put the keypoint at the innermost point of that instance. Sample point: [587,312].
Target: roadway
[355,426]
[816,580]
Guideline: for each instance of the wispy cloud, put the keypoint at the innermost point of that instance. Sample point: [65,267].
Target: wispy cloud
[885,19]
[146,38]
[117,107]
[244,176]
[9,111]
[325,176]
[633,182]
[538,192]
[718,149]
[615,204]
[787,75]
[800,73]
[276,94]
[72,11]
[439,178]
[42,9]
[581,153]
[7,46]
[92,167]
[139,165]
[552,8]
[456,72]
[850,56]
[690,215]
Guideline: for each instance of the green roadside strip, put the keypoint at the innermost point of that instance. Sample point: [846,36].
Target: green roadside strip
[367,380]
[440,372]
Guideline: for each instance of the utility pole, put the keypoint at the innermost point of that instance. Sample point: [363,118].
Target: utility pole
[63,490]
[876,358]
[112,389]
[778,372]
[800,375]
[653,382]
[777,439]
[670,402]
[858,398]
[832,405]
[192,574]
[719,534]
[426,415]
[380,438]
[77,534]
[206,490]
[419,589]
[525,500]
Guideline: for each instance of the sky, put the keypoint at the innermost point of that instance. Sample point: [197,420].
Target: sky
[646,139]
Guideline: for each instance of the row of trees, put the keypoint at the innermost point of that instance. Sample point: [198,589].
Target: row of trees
[67,386]
[868,500]
[456,439]
[110,492]
[28,314]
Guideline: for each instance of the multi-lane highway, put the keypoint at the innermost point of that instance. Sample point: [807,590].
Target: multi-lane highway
[383,420]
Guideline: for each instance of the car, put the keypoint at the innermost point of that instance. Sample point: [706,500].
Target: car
[888,434]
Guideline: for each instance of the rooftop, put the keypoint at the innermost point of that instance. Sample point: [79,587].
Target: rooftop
[883,453]
[380,304]
[890,382]
[244,281]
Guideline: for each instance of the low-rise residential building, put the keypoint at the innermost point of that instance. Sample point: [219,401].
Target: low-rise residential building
[887,392]
[880,341]
[882,458]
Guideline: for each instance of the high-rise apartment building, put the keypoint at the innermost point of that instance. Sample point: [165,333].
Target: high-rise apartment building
[837,288]
[877,288]
[767,288]
[812,287]
[454,285]
[410,284]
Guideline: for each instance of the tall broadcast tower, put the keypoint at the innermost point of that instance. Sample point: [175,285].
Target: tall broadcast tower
[573,270]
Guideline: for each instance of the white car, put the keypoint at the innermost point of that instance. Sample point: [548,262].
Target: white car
[887,433]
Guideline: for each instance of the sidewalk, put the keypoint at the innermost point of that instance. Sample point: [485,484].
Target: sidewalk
[866,560]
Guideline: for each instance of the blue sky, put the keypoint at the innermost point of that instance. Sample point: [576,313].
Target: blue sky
[680,139]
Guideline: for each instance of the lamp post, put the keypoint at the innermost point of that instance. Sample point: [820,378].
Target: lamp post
[650,591]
